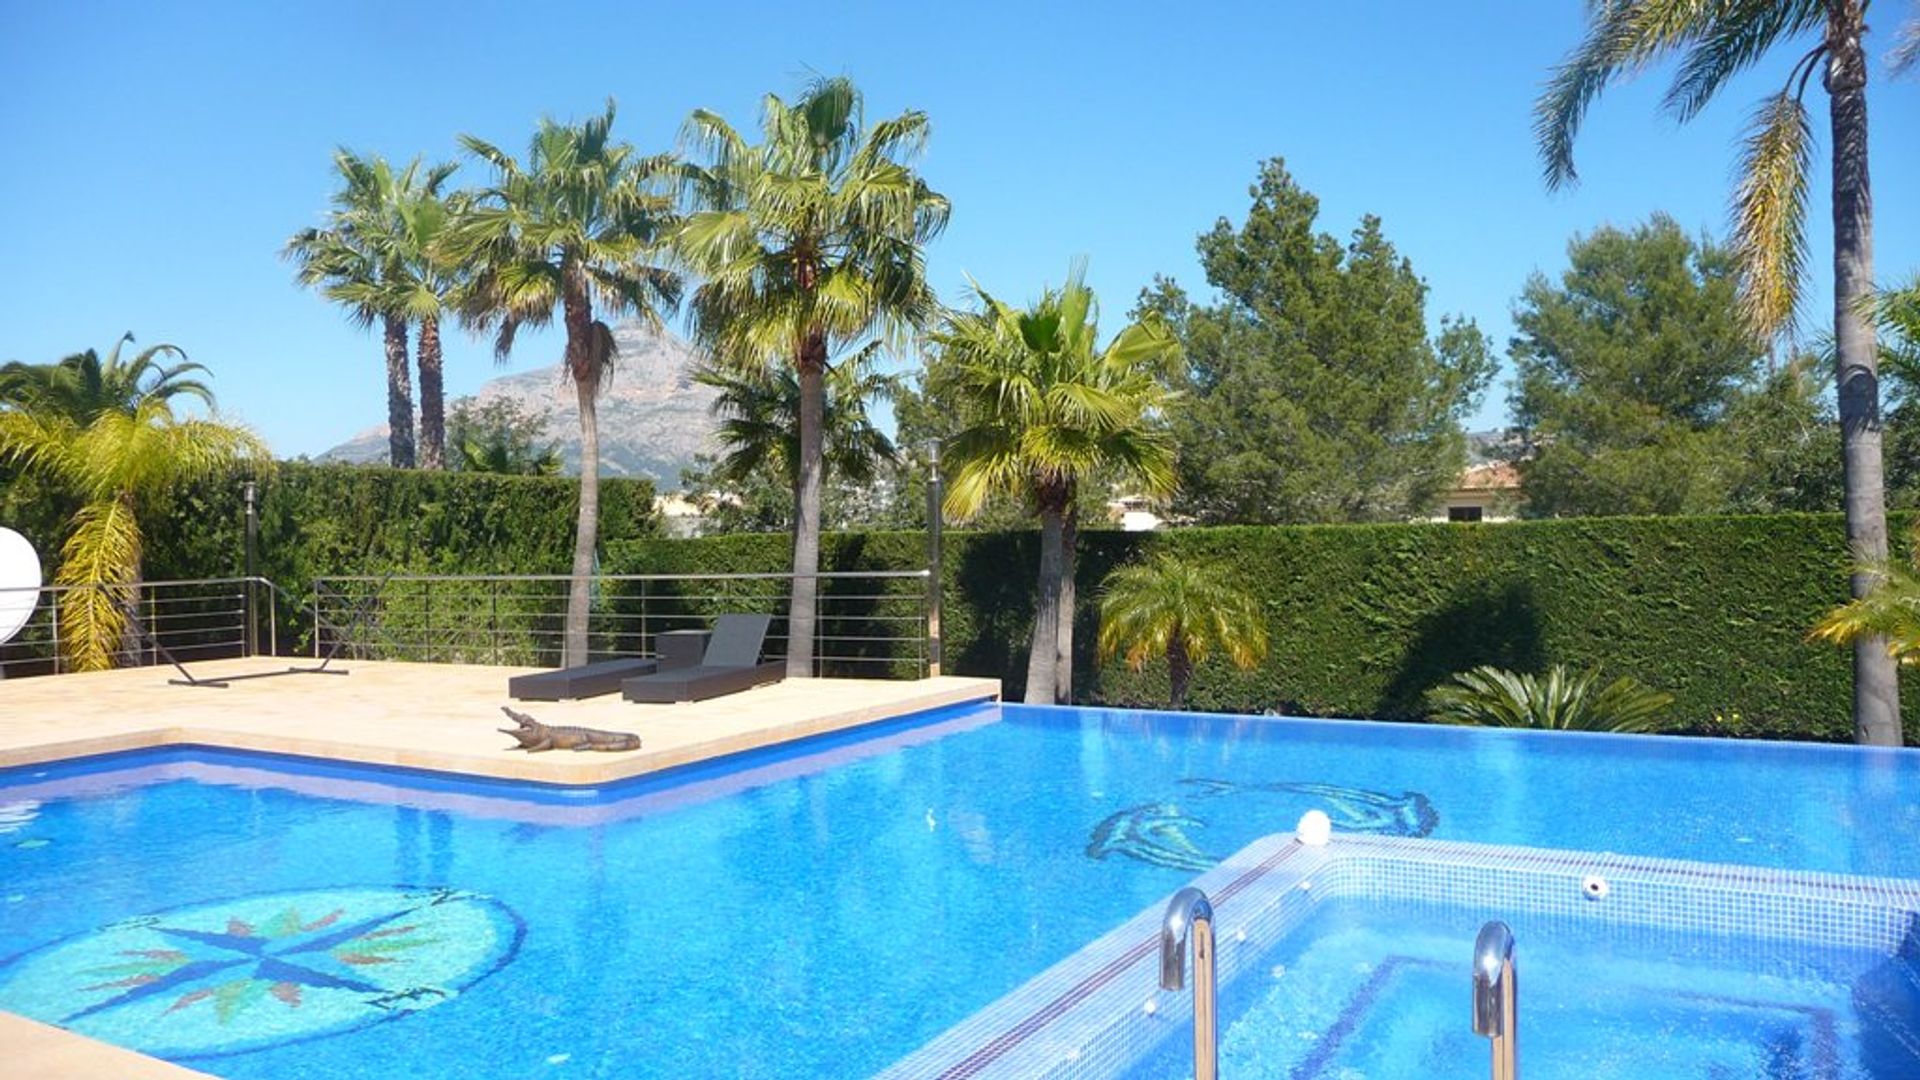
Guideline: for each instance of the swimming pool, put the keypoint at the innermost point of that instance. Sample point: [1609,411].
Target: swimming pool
[819,910]
[1351,960]
[1376,989]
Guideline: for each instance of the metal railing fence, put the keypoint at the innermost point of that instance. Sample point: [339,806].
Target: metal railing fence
[192,618]
[868,624]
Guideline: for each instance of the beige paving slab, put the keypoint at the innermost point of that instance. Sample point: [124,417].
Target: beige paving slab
[431,716]
[30,1050]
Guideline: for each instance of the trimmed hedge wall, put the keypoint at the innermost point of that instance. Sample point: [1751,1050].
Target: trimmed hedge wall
[1364,618]
[346,519]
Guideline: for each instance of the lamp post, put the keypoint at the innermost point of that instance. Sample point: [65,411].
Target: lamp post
[248,492]
[934,520]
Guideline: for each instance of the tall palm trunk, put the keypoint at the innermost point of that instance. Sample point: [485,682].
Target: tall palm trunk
[803,611]
[585,368]
[1876,689]
[399,394]
[1179,669]
[1069,544]
[1043,662]
[433,405]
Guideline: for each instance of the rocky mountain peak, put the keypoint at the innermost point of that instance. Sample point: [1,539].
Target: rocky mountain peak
[653,417]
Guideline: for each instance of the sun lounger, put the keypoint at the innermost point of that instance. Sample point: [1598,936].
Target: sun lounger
[730,664]
[581,681]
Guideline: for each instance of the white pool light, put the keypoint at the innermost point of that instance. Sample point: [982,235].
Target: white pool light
[1315,829]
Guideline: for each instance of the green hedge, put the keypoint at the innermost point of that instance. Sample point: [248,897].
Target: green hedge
[346,519]
[1365,618]
[343,519]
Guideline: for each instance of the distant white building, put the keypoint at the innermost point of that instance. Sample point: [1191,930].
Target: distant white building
[679,516]
[1134,513]
[1488,492]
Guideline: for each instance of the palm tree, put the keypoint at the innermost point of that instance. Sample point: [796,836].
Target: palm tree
[423,286]
[760,421]
[1889,614]
[114,452]
[82,386]
[1715,42]
[494,452]
[1043,408]
[809,244]
[1491,697]
[499,436]
[574,227]
[359,260]
[1182,611]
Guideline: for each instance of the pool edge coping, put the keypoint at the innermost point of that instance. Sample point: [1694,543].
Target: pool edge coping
[47,1052]
[958,690]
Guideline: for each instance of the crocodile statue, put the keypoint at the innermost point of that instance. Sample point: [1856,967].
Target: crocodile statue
[534,736]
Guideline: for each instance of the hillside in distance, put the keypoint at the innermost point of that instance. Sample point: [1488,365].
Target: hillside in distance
[653,417]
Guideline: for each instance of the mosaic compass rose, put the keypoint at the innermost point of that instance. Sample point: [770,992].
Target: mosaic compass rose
[260,971]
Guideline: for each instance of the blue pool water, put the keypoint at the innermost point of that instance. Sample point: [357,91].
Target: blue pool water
[1379,989]
[817,911]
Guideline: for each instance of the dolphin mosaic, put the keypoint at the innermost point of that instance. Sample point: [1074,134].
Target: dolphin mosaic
[1158,833]
[1152,833]
[1410,813]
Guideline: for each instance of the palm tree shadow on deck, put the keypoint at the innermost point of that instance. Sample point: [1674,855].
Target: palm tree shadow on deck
[1476,626]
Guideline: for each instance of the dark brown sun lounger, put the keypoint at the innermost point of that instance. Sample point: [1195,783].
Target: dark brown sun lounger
[580,681]
[731,664]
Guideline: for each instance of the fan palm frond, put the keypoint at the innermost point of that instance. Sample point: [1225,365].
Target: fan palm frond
[1043,407]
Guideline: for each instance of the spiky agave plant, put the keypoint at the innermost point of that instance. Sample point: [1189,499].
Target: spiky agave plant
[1560,700]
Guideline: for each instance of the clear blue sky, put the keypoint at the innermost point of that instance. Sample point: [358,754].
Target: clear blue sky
[158,155]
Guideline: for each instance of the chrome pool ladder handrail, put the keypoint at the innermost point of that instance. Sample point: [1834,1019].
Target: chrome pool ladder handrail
[1496,997]
[1189,917]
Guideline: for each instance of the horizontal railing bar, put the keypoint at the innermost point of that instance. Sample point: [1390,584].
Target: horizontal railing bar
[825,575]
[835,600]
[139,584]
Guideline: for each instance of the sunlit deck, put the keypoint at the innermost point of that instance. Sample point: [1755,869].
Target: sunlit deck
[430,716]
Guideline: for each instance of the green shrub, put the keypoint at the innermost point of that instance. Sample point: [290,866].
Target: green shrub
[1364,619]
[1556,699]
